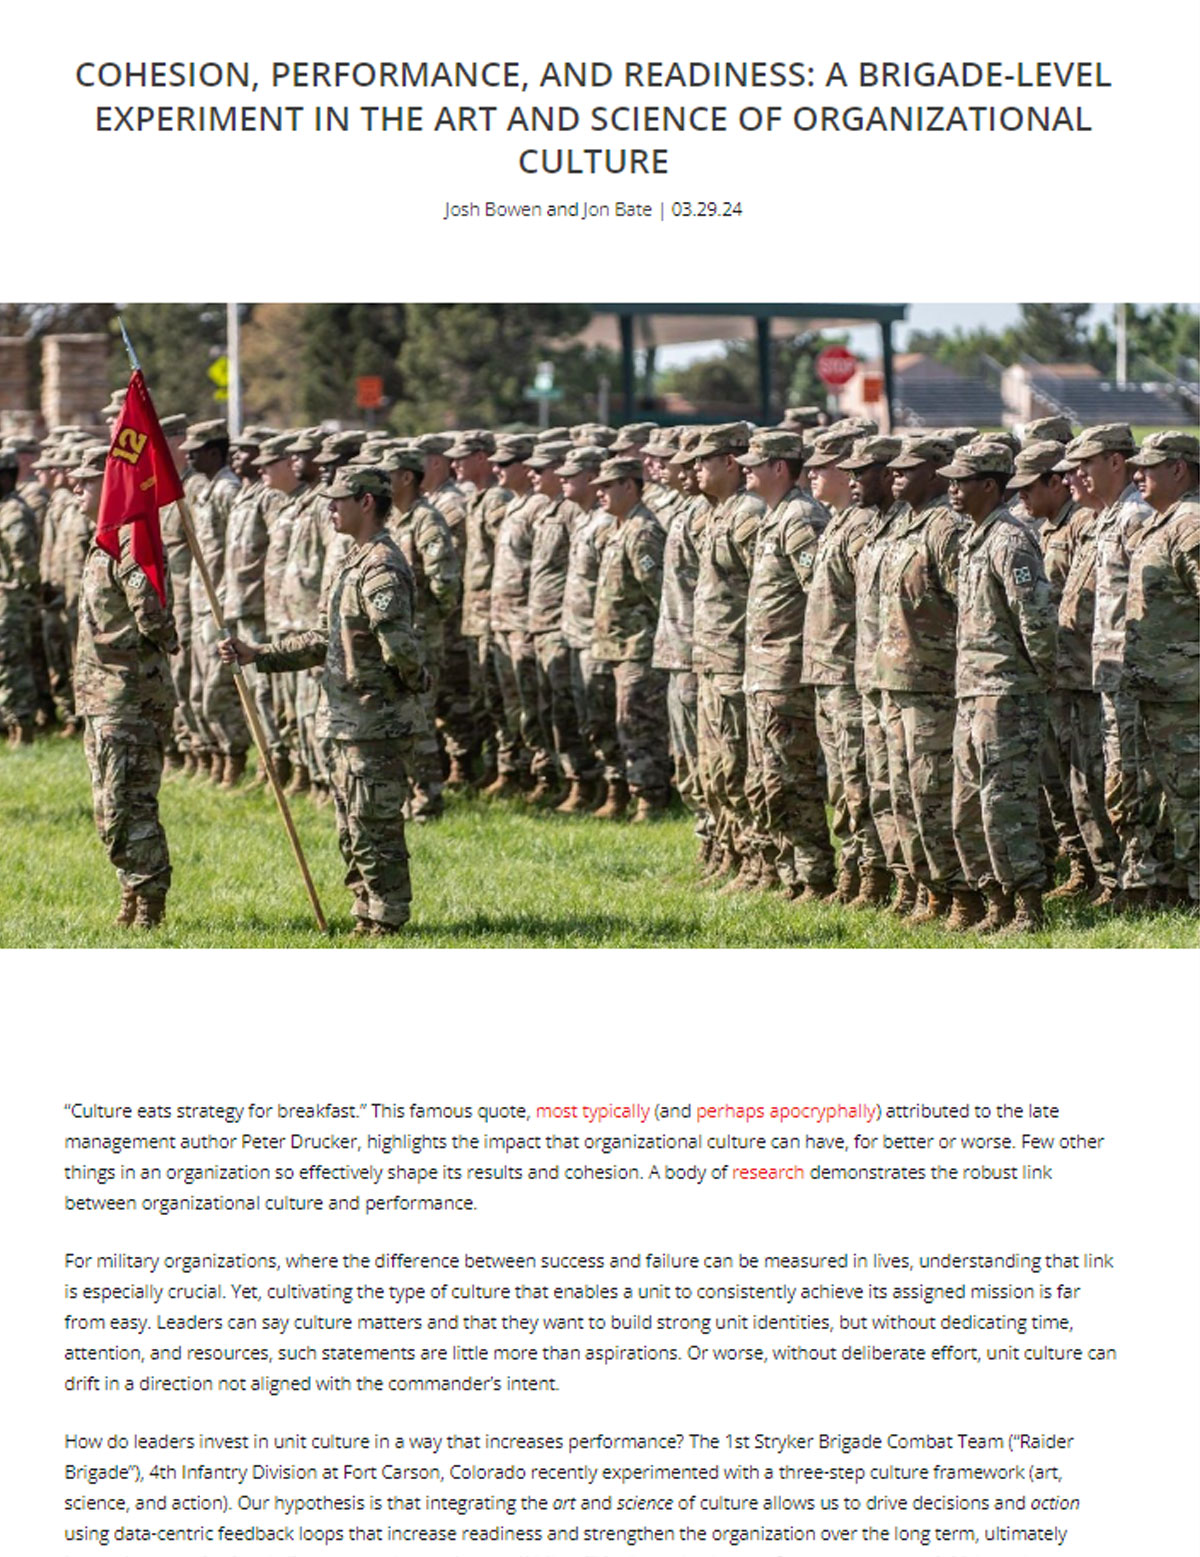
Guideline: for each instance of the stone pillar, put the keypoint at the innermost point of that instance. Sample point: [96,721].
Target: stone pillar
[75,379]
[17,414]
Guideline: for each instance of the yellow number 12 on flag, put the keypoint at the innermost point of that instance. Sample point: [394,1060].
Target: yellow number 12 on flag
[129,445]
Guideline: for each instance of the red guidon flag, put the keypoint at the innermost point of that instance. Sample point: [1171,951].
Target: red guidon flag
[139,479]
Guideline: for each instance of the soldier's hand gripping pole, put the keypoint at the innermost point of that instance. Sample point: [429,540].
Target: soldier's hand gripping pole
[252,719]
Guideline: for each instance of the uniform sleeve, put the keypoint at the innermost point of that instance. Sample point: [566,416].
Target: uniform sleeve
[443,573]
[295,651]
[1187,554]
[646,555]
[388,598]
[20,545]
[1028,592]
[154,620]
[800,540]
[945,547]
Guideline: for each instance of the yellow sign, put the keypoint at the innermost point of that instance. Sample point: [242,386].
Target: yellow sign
[219,372]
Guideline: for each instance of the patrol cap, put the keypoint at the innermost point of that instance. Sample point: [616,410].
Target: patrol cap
[173,425]
[728,438]
[307,441]
[664,443]
[870,451]
[253,437]
[92,459]
[71,430]
[547,455]
[802,416]
[1010,441]
[770,445]
[921,449]
[960,435]
[115,402]
[51,458]
[201,434]
[983,457]
[1048,429]
[512,449]
[831,447]
[619,469]
[9,458]
[272,450]
[634,435]
[860,426]
[553,435]
[1108,438]
[1034,460]
[433,442]
[394,457]
[594,434]
[476,440]
[21,445]
[689,439]
[1161,448]
[340,446]
[584,460]
[358,480]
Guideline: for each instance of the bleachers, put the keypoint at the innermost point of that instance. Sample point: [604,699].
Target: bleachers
[1091,401]
[947,402]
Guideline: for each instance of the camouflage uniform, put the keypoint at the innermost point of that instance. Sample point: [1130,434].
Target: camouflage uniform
[1162,657]
[592,683]
[1133,796]
[55,636]
[784,786]
[304,574]
[220,716]
[686,520]
[1006,646]
[552,534]
[525,745]
[123,690]
[424,538]
[914,665]
[627,596]
[247,538]
[20,589]
[485,510]
[369,713]
[719,654]
[457,719]
[828,665]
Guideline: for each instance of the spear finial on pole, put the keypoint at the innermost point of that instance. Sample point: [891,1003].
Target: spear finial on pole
[133,361]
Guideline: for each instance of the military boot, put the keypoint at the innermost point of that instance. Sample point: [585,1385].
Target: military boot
[1133,900]
[722,861]
[234,769]
[1000,909]
[189,764]
[505,786]
[580,797]
[128,910]
[21,734]
[1176,897]
[216,767]
[649,808]
[747,877]
[172,761]
[547,791]
[905,901]
[967,910]
[769,879]
[616,801]
[936,904]
[150,913]
[301,780]
[1028,916]
[1078,883]
[876,885]
[815,892]
[459,776]
[847,885]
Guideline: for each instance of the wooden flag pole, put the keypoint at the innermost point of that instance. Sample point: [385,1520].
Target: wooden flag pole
[252,719]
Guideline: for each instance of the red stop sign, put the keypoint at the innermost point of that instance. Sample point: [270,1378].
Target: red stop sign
[836,366]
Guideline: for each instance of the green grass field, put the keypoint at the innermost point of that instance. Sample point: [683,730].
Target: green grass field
[485,875]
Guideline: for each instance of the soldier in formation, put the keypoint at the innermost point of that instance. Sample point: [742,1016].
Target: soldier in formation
[898,673]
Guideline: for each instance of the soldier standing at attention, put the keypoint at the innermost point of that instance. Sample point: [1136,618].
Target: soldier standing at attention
[246,541]
[591,680]
[20,590]
[1162,651]
[783,781]
[627,598]
[914,667]
[369,695]
[829,642]
[124,693]
[1006,648]
[719,652]
[471,456]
